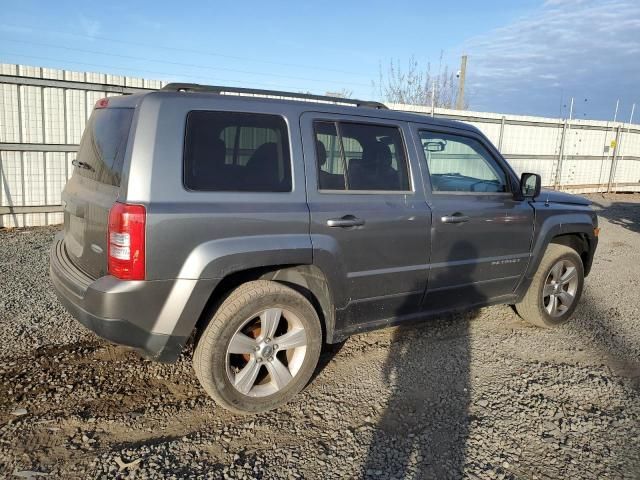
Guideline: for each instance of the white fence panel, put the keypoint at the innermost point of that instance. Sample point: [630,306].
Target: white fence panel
[51,112]
[56,169]
[54,115]
[9,116]
[43,112]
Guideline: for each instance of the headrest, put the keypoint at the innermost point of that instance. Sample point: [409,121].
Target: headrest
[321,152]
[378,154]
[265,152]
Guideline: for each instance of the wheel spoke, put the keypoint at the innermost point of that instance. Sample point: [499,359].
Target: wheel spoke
[291,339]
[569,275]
[556,271]
[269,320]
[246,377]
[279,372]
[566,298]
[553,303]
[547,290]
[240,343]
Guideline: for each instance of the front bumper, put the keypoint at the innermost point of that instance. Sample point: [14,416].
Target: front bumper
[120,311]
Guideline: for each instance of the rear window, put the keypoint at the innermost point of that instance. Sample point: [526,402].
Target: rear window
[353,156]
[231,151]
[103,144]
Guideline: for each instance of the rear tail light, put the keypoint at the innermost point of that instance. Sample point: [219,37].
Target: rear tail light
[102,103]
[126,241]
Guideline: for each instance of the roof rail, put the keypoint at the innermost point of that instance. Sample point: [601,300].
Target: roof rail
[195,87]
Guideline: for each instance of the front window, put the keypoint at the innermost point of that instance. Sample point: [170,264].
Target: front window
[461,164]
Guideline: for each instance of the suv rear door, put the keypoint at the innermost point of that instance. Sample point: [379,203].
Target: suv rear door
[369,218]
[94,187]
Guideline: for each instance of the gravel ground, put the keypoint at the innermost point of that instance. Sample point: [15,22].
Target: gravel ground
[479,395]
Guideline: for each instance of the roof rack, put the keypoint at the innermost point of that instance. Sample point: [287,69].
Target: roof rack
[195,87]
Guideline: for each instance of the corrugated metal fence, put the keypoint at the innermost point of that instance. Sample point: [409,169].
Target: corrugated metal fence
[43,112]
[578,156]
[42,116]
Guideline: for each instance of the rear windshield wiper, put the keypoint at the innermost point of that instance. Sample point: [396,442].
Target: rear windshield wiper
[77,163]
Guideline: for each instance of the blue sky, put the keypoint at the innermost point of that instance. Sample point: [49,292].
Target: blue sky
[526,57]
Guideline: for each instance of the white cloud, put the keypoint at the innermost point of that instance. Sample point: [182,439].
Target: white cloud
[584,47]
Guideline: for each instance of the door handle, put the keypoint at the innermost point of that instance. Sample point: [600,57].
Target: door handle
[455,218]
[345,222]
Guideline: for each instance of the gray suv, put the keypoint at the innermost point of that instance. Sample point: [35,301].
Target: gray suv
[263,225]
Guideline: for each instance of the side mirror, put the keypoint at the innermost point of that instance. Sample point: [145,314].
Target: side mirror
[530,184]
[437,146]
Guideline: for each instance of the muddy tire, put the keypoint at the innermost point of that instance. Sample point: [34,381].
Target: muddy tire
[259,349]
[555,290]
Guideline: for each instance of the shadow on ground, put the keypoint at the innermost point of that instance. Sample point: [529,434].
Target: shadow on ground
[623,214]
[424,428]
[595,326]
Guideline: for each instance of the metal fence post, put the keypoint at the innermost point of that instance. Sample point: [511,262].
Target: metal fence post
[614,160]
[501,134]
[558,179]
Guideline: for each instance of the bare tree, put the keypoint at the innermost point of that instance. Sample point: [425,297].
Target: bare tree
[417,86]
[342,93]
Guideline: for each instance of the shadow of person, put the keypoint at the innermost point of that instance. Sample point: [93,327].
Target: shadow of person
[423,430]
[623,214]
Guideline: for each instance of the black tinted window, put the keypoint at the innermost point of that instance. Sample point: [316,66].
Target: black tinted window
[357,156]
[103,144]
[331,171]
[228,151]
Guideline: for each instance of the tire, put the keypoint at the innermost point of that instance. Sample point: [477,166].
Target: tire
[538,309]
[238,359]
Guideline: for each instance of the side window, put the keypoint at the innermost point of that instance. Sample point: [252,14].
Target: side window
[355,156]
[241,152]
[461,164]
[331,171]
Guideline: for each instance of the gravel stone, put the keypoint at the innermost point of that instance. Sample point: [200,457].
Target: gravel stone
[475,395]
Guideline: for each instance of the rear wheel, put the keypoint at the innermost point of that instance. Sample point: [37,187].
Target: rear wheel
[259,349]
[556,288]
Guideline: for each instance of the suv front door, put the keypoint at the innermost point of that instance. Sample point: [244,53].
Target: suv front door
[369,219]
[481,234]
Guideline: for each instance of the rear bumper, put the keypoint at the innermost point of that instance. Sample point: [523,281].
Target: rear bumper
[120,311]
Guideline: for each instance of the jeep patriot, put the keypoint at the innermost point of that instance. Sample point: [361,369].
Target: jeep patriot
[264,225]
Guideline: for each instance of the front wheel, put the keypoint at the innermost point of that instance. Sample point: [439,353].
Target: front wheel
[259,349]
[556,288]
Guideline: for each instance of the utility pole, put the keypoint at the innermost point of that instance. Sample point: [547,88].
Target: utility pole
[463,74]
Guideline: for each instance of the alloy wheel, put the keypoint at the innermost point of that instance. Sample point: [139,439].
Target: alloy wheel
[560,287]
[266,352]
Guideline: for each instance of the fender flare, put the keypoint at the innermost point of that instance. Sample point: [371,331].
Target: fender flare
[551,227]
[212,261]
